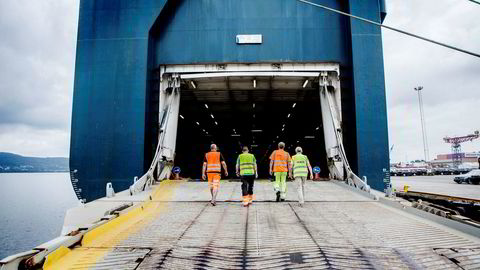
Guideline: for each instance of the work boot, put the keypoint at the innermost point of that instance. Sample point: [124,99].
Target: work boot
[278,196]
[245,201]
[250,199]
[282,200]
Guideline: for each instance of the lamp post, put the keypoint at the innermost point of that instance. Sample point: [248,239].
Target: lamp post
[422,119]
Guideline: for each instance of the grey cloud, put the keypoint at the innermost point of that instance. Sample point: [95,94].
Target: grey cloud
[451,79]
[37,52]
[29,141]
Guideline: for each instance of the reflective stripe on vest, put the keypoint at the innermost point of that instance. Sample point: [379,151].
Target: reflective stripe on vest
[300,165]
[213,162]
[246,164]
[280,161]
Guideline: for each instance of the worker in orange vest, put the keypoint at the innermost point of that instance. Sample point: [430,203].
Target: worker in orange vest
[280,163]
[212,170]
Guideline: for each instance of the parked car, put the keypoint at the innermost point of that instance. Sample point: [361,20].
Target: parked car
[464,170]
[443,171]
[460,170]
[419,171]
[472,177]
[393,171]
[404,172]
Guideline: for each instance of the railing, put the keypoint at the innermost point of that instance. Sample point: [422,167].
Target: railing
[159,163]
[351,178]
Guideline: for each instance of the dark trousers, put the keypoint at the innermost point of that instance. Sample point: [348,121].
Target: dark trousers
[247,184]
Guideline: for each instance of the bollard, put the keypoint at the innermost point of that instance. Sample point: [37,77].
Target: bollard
[110,192]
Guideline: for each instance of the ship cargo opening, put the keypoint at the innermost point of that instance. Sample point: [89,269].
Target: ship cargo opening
[253,105]
[257,112]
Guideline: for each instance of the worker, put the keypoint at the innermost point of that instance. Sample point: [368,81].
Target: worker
[300,167]
[212,171]
[280,165]
[247,170]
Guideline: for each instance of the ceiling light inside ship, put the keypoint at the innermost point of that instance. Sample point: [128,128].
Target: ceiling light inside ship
[305,83]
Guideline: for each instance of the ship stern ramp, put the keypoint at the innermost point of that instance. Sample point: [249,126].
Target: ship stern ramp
[175,227]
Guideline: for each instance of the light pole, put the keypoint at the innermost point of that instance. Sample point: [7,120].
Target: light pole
[422,119]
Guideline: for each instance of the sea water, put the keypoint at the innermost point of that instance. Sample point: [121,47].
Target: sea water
[32,209]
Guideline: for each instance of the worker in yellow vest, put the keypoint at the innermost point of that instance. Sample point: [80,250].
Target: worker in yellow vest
[247,170]
[301,167]
[212,169]
[280,165]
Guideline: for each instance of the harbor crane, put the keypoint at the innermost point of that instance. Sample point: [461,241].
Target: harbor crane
[457,147]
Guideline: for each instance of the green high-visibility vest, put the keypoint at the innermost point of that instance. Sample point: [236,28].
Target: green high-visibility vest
[300,165]
[246,162]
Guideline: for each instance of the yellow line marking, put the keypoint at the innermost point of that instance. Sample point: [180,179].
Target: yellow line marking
[55,256]
[100,241]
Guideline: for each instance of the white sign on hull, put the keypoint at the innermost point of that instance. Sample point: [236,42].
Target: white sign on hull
[249,39]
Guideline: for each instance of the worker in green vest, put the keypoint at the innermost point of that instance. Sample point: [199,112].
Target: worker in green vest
[247,170]
[300,167]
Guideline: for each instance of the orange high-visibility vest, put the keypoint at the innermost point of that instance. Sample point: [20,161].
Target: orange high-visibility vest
[213,162]
[280,160]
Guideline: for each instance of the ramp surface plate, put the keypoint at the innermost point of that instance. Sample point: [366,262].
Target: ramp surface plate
[335,229]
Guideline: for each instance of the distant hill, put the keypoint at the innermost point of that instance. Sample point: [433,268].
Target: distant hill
[15,163]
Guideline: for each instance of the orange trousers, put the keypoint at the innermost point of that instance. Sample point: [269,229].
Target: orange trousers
[213,180]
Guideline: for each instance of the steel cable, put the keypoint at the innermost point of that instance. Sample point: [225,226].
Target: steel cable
[392,28]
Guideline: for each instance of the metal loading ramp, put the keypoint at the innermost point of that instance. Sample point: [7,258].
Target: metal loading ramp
[336,229]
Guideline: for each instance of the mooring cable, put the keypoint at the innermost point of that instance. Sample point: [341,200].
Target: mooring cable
[393,28]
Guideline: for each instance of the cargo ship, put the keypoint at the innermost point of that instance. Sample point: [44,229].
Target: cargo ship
[158,81]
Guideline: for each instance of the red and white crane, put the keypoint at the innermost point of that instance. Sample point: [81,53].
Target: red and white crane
[457,147]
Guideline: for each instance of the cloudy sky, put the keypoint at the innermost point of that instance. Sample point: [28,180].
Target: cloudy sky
[37,58]
[451,80]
